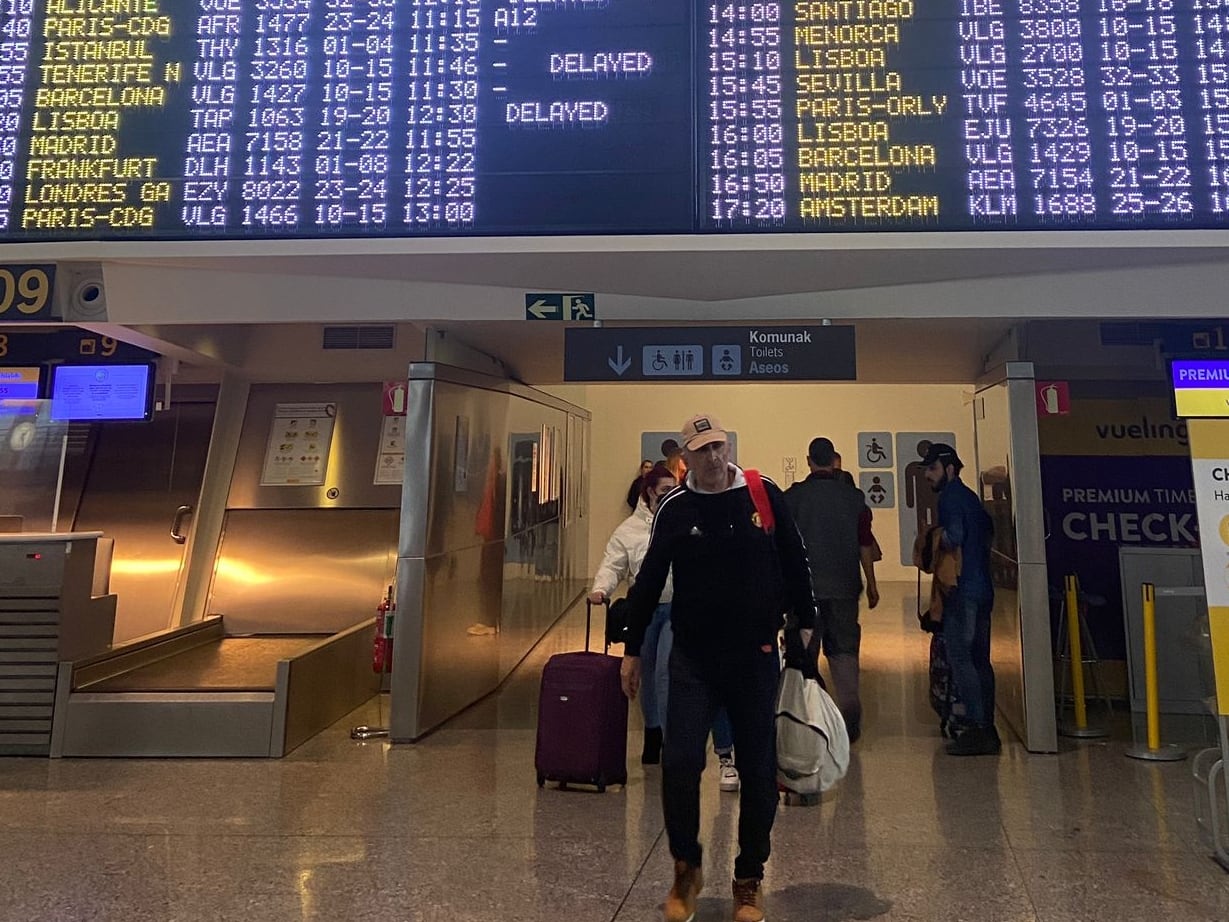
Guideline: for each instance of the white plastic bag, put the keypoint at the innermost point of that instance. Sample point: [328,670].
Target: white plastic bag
[812,742]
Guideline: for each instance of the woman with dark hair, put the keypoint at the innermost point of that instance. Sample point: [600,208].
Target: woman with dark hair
[637,487]
[624,553]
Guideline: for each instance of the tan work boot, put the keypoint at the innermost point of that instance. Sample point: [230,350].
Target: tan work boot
[681,901]
[748,900]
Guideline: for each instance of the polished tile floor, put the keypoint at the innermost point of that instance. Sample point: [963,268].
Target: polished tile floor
[455,829]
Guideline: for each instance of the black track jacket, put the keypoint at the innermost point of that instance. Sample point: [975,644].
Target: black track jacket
[732,581]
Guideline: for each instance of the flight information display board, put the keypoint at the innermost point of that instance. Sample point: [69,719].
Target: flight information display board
[178,119]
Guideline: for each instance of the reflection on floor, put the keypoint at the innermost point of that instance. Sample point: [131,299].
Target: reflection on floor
[455,829]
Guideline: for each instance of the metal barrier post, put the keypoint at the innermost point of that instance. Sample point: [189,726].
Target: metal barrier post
[1154,751]
[1075,649]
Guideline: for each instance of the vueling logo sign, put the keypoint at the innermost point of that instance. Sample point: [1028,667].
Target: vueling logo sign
[1145,429]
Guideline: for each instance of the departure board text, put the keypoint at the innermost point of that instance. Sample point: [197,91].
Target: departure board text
[207,119]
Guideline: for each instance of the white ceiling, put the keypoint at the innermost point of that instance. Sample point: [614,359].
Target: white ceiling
[705,275]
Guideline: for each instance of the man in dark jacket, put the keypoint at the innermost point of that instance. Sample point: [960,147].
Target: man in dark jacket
[836,525]
[966,527]
[733,580]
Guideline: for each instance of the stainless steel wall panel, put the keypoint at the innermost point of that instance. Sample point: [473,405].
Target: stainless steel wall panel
[1038,658]
[139,474]
[1009,480]
[468,467]
[418,483]
[488,563]
[352,456]
[235,724]
[406,682]
[327,682]
[302,571]
[471,640]
[460,636]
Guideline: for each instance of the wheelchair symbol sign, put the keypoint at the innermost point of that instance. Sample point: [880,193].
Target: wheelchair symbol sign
[874,449]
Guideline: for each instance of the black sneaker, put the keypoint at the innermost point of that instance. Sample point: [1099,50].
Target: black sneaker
[976,741]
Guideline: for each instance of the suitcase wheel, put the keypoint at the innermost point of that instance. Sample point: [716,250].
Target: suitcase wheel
[541,780]
[601,785]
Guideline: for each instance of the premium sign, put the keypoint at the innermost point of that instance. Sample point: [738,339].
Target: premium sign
[1201,387]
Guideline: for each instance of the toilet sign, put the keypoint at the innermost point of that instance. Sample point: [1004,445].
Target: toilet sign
[393,403]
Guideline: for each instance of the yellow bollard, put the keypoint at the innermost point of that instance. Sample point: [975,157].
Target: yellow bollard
[1151,692]
[1077,652]
[1154,751]
[1079,729]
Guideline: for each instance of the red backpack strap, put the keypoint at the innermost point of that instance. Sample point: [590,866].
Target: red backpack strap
[759,496]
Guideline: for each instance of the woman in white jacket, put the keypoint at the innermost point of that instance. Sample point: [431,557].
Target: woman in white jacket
[624,553]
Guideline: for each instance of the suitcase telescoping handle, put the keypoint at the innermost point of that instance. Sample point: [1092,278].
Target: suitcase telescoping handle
[589,618]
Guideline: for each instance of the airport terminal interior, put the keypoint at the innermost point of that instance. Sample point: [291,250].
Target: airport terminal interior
[179,689]
[333,334]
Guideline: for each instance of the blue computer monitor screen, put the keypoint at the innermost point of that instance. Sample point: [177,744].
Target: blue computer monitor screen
[102,392]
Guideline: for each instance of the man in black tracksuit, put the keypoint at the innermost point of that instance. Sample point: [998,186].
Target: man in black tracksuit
[733,581]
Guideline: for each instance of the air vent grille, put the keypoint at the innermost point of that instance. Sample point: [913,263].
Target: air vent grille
[360,337]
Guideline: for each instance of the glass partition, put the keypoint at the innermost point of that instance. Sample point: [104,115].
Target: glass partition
[33,447]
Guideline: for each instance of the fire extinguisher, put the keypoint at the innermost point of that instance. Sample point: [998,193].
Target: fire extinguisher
[382,648]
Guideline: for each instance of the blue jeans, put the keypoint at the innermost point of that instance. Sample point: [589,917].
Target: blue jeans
[966,628]
[723,733]
[654,657]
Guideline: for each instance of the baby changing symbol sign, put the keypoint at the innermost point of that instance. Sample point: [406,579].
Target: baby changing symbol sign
[879,487]
[727,360]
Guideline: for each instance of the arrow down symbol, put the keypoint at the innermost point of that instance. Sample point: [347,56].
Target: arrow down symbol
[619,364]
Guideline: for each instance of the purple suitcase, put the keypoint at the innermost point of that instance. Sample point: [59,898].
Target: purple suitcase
[582,720]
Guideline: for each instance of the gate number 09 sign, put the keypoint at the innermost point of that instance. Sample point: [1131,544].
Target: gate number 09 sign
[25,293]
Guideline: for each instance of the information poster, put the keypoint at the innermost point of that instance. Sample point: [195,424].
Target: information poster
[1210,464]
[297,453]
[390,464]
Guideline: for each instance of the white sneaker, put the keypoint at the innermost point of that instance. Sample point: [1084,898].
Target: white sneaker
[729,774]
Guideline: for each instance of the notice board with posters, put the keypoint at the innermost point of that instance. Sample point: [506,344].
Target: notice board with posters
[1115,472]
